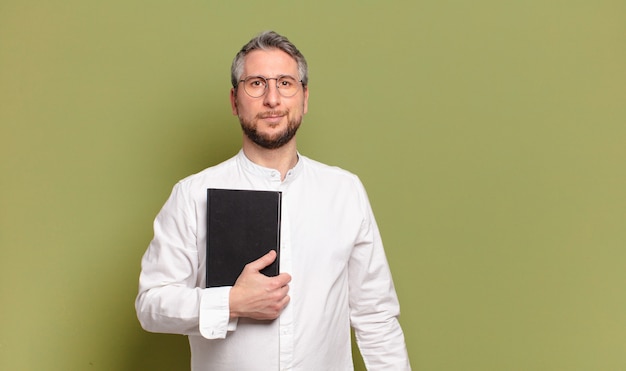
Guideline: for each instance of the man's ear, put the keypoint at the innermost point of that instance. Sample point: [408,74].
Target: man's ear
[233,101]
[305,105]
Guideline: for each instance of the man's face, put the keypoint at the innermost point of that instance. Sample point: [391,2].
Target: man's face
[270,120]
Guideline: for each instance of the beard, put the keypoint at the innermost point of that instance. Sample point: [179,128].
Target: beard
[270,141]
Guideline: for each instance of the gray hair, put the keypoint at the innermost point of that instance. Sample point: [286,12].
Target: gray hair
[266,41]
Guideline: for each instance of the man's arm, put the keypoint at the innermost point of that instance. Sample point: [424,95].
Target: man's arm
[374,306]
[170,299]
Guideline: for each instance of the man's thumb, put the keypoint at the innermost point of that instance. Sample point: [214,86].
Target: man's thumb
[263,261]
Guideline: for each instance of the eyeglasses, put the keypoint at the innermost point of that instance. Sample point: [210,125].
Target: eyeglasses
[256,86]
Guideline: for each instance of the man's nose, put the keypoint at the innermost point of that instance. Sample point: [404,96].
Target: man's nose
[272,96]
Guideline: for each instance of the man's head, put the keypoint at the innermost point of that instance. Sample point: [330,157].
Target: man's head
[266,41]
[270,93]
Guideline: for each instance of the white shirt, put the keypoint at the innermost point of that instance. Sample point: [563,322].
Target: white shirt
[330,245]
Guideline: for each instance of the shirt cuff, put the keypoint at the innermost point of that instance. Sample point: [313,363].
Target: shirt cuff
[214,316]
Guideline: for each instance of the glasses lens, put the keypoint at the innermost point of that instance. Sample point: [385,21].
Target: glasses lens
[287,86]
[255,86]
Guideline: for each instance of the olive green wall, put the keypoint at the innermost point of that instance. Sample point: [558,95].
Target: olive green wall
[490,135]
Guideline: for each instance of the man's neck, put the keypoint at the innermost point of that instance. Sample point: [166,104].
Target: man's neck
[282,159]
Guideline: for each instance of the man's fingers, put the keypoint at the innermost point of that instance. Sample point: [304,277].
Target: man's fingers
[282,279]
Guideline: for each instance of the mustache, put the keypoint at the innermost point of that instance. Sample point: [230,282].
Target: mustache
[266,114]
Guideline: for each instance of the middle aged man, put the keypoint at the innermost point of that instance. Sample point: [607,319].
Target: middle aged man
[334,273]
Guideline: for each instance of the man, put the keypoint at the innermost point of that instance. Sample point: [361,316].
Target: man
[334,273]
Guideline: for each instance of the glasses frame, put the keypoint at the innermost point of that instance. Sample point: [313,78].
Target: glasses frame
[266,79]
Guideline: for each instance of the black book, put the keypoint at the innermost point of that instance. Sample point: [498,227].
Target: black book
[242,226]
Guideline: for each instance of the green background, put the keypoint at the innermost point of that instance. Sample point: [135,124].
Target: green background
[490,135]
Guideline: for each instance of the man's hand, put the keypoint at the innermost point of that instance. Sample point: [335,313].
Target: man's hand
[257,296]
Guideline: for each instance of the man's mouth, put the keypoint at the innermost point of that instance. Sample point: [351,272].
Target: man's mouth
[272,114]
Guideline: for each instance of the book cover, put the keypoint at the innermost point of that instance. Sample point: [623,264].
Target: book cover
[242,226]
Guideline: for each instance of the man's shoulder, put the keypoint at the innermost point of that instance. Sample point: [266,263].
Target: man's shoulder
[224,167]
[329,170]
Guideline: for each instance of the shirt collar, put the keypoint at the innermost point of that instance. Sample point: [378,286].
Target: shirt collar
[268,173]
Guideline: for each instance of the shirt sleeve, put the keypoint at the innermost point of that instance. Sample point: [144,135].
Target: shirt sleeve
[169,299]
[374,306]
